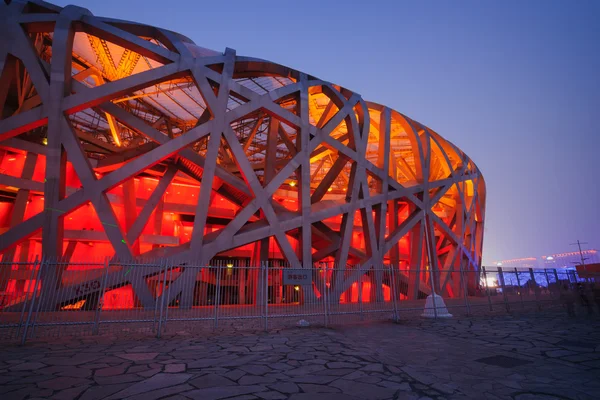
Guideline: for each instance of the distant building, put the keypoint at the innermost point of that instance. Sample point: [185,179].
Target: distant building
[560,261]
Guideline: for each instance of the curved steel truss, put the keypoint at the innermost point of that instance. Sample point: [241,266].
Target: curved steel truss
[128,140]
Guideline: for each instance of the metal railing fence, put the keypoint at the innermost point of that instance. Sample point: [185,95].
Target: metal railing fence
[51,297]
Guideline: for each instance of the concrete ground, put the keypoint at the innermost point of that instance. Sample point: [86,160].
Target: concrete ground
[535,356]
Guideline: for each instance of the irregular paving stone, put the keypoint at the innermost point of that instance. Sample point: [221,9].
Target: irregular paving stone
[27,366]
[175,368]
[235,374]
[116,379]
[311,388]
[215,393]
[29,392]
[211,380]
[323,396]
[76,372]
[271,395]
[369,379]
[161,393]
[404,386]
[337,372]
[149,373]
[31,379]
[63,382]
[318,379]
[364,390]
[111,371]
[285,387]
[156,382]
[101,392]
[255,369]
[334,365]
[70,394]
[254,380]
[304,370]
[373,368]
[299,356]
[77,359]
[138,356]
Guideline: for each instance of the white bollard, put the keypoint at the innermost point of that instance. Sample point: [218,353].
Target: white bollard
[442,311]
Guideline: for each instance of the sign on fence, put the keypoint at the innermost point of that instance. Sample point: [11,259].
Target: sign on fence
[297,277]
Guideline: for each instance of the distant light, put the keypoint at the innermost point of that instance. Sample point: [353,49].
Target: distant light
[229,265]
[329,190]
[292,183]
[296,288]
[499,264]
[12,159]
[45,141]
[549,258]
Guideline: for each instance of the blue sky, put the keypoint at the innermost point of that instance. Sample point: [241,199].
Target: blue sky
[515,84]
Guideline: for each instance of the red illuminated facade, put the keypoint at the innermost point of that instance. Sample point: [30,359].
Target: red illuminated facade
[129,141]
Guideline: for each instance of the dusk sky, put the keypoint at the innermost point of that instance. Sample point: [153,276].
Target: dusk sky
[515,84]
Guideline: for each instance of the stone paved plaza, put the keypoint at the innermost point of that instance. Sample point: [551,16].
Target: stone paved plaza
[536,356]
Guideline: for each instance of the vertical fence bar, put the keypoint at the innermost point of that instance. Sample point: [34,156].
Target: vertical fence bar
[163,294]
[394,291]
[156,286]
[465,291]
[548,284]
[435,314]
[33,297]
[33,271]
[520,288]
[217,297]
[501,280]
[170,269]
[325,301]
[360,295]
[266,290]
[536,289]
[54,297]
[487,289]
[101,296]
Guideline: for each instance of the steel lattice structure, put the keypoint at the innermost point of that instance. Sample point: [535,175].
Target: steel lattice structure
[128,140]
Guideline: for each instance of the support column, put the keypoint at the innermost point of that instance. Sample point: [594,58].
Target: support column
[17,216]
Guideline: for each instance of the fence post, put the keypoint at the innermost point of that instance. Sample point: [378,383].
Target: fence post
[501,280]
[33,297]
[487,289]
[536,289]
[394,292]
[465,291]
[217,297]
[520,288]
[163,294]
[101,296]
[35,263]
[266,290]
